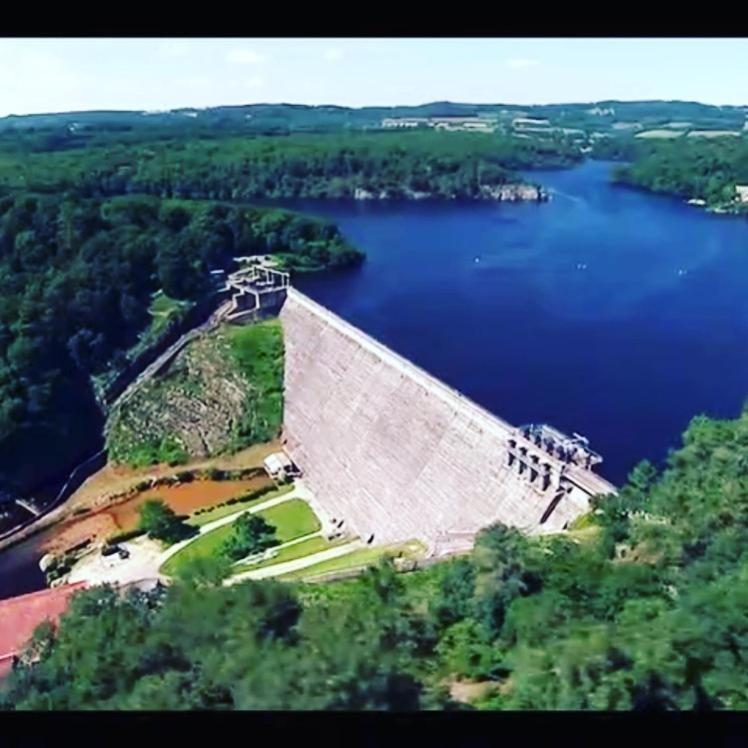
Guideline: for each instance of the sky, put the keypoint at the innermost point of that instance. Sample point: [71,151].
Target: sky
[54,75]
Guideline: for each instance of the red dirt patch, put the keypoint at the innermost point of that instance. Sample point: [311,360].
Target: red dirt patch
[114,479]
[122,517]
[185,498]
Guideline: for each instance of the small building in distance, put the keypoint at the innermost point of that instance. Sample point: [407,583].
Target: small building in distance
[464,124]
[280,467]
[450,123]
[522,123]
[741,191]
[404,122]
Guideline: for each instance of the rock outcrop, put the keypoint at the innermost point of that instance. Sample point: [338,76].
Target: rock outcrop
[514,192]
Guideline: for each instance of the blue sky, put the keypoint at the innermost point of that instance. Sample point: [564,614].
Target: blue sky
[49,75]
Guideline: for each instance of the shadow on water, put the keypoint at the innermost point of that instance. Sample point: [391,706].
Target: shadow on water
[19,567]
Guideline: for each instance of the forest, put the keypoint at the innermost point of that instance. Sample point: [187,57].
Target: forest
[77,275]
[692,168]
[444,165]
[642,605]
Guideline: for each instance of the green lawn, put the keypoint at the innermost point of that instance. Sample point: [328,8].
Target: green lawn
[198,520]
[354,559]
[297,550]
[292,519]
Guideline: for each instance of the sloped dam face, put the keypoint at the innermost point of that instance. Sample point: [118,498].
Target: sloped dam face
[393,451]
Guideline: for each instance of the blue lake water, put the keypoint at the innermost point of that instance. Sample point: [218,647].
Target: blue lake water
[607,311]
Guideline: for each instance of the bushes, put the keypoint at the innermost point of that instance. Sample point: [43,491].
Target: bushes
[252,495]
[252,534]
[121,537]
[60,566]
[140,452]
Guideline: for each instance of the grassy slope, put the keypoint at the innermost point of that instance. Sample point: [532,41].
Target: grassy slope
[258,354]
[362,557]
[164,309]
[298,550]
[249,358]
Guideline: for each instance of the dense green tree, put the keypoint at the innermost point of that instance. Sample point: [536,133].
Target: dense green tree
[251,534]
[161,522]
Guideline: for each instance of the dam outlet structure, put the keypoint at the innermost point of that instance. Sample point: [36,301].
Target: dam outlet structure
[399,455]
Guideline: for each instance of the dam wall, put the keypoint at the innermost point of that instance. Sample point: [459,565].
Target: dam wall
[396,453]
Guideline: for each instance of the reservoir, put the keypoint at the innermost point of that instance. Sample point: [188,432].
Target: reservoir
[606,311]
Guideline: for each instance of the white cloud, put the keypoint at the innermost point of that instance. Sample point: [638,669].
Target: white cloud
[195,81]
[517,63]
[244,57]
[256,81]
[333,54]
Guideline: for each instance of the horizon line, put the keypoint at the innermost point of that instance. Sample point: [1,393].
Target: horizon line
[373,106]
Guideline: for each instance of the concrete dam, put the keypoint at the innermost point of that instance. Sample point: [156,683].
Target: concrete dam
[398,455]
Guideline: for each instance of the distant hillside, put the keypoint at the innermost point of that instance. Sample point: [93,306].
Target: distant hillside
[55,131]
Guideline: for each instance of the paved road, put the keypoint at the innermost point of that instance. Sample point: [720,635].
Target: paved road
[97,569]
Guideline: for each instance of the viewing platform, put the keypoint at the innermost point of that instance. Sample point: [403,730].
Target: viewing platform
[257,289]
